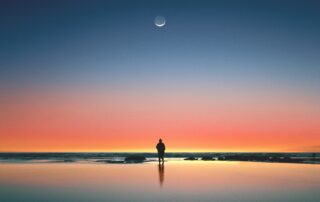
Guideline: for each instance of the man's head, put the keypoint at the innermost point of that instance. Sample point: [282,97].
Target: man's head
[160,140]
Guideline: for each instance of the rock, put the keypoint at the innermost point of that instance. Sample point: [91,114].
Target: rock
[221,158]
[207,158]
[191,159]
[114,161]
[135,159]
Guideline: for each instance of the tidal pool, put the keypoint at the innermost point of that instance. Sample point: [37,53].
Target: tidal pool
[177,180]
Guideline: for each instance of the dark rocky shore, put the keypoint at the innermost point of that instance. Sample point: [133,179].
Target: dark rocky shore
[263,157]
[126,158]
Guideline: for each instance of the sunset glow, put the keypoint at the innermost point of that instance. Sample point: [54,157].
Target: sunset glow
[134,120]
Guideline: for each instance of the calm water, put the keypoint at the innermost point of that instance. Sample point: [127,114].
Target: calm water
[178,180]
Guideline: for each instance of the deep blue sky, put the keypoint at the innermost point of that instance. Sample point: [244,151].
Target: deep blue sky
[99,43]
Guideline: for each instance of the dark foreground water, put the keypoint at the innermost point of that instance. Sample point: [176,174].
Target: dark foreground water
[40,179]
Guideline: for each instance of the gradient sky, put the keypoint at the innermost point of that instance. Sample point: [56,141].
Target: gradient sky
[219,76]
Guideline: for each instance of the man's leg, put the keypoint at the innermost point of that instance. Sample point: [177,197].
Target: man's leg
[162,157]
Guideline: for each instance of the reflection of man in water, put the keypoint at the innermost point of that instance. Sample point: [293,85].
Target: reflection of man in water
[161,174]
[161,148]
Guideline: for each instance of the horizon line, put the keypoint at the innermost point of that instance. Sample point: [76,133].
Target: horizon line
[156,152]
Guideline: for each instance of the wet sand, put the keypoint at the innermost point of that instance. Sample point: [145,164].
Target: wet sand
[177,180]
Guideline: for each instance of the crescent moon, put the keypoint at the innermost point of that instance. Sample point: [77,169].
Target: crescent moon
[159,21]
[160,24]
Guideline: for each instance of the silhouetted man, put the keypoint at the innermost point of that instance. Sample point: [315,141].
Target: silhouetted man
[161,148]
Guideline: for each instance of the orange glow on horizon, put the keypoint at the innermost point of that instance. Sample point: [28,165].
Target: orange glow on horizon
[121,122]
